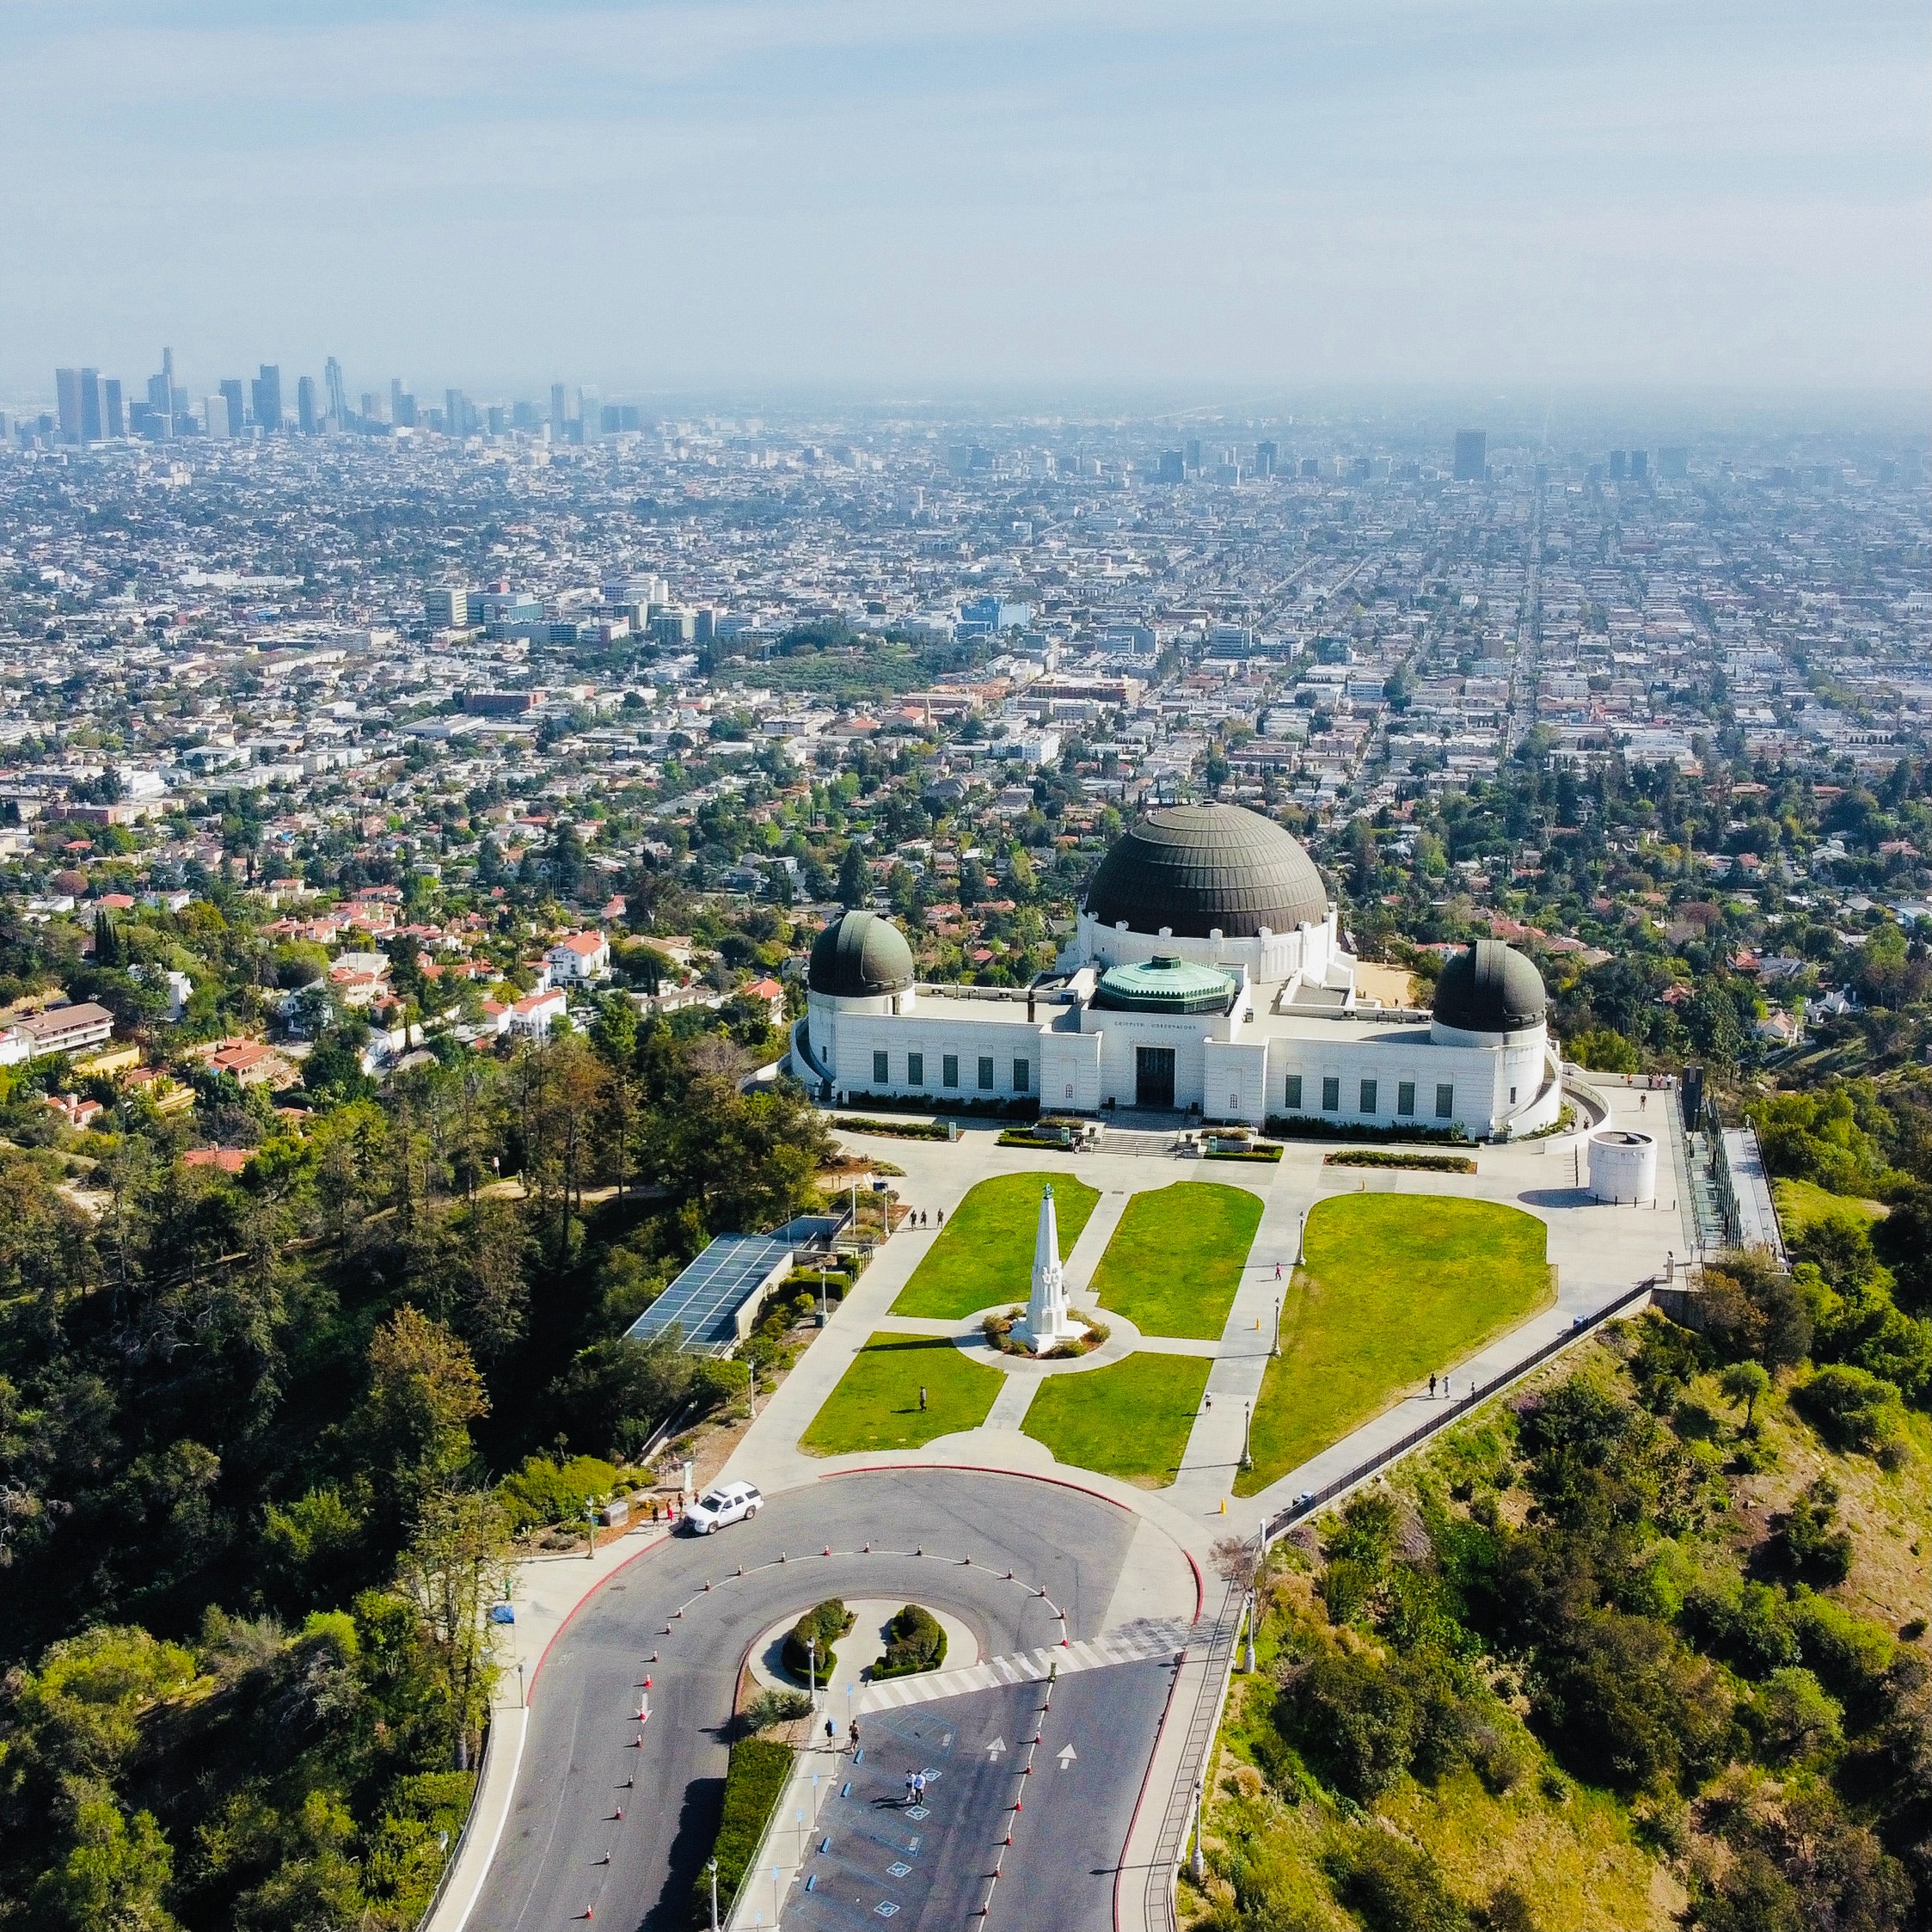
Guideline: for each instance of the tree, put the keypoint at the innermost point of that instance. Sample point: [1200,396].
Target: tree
[1745,1382]
[424,1392]
[113,1874]
[452,1570]
[854,879]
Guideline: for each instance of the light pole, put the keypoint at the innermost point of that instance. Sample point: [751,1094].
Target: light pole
[713,1869]
[1247,1663]
[812,1672]
[1274,1347]
[1246,1434]
[523,1698]
[1198,1864]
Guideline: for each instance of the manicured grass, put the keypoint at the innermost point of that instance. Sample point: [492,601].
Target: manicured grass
[1130,1420]
[1802,1202]
[1175,1261]
[1395,1287]
[985,1256]
[876,1403]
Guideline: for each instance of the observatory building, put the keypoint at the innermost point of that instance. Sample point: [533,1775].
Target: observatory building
[1206,975]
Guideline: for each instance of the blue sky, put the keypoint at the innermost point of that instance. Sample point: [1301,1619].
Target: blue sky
[899,196]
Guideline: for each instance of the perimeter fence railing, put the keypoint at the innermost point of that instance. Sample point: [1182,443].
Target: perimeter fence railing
[1307,1503]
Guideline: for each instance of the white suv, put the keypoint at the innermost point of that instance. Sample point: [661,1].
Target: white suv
[730,1502]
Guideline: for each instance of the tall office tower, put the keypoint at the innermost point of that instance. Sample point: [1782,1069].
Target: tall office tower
[223,413]
[91,424]
[525,416]
[305,406]
[114,422]
[1193,453]
[67,403]
[1619,467]
[371,406]
[1172,467]
[590,416]
[446,606]
[1472,455]
[558,411]
[267,398]
[456,413]
[1673,463]
[238,410]
[402,405]
[338,396]
[1639,466]
[1264,459]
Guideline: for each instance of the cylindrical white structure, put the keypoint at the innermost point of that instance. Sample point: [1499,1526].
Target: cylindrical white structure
[1623,1166]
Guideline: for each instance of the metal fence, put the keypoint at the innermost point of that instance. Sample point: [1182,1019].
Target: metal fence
[1306,1504]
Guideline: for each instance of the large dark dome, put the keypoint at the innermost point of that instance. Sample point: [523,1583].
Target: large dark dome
[860,956]
[1197,869]
[1490,988]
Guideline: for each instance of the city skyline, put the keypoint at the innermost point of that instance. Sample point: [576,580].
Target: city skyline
[832,197]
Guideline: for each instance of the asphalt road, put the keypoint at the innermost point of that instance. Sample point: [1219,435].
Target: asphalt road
[931,1864]
[565,1851]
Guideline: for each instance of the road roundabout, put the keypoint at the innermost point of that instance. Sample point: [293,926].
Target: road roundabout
[614,1817]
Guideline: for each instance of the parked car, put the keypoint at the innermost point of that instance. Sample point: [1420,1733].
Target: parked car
[730,1502]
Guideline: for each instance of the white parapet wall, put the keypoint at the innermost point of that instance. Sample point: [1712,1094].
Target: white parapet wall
[1623,1166]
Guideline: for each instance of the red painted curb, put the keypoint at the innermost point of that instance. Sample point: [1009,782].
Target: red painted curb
[976,1468]
[1200,1586]
[1160,1731]
[543,1655]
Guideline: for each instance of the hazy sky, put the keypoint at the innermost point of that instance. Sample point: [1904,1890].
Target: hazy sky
[900,195]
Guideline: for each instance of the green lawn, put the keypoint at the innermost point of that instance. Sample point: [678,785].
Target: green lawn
[876,1403]
[1175,1261]
[1396,1286]
[1129,1420]
[1802,1202]
[985,1256]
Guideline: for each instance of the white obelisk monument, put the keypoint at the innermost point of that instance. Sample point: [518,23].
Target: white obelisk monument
[1047,1323]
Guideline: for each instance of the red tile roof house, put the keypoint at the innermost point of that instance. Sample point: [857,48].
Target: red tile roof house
[771,993]
[536,1013]
[580,956]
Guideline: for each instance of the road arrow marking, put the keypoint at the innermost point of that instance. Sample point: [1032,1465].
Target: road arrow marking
[1067,1754]
[994,1750]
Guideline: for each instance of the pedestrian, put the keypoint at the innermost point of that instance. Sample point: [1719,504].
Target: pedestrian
[922,1398]
[941,1214]
[1278,1271]
[1208,1401]
[919,1788]
[852,1733]
[909,1788]
[1431,1387]
[831,1732]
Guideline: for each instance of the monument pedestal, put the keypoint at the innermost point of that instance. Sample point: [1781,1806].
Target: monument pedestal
[1047,1324]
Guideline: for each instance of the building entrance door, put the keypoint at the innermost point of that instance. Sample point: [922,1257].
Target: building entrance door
[1154,1076]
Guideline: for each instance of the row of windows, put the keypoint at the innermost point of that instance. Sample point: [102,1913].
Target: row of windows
[949,1071]
[1368,1093]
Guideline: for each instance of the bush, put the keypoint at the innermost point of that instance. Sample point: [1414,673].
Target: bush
[1810,1539]
[825,1622]
[1262,1154]
[1312,1126]
[1353,1717]
[1395,1887]
[1851,1408]
[753,1785]
[774,1707]
[901,1130]
[915,1640]
[543,1491]
[1382,1157]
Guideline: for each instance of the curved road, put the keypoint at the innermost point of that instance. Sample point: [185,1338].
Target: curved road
[565,1852]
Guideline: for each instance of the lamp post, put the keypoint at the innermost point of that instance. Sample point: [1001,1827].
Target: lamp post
[1247,1663]
[1198,1864]
[713,1869]
[1274,1347]
[1247,1435]
[812,1672]
[522,1697]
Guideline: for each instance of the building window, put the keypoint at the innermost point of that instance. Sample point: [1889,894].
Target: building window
[1368,1097]
[1070,1089]
[1512,1096]
[986,1071]
[1405,1096]
[949,1069]
[915,1069]
[1331,1094]
[1022,1075]
[1446,1101]
[1292,1098]
[881,1070]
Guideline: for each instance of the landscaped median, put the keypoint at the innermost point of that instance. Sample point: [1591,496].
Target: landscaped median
[754,1782]
[1174,1262]
[1396,1287]
[1130,1419]
[876,1403]
[983,1257]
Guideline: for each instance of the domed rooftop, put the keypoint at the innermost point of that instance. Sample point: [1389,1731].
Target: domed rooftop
[1197,869]
[1162,985]
[860,956]
[1490,988]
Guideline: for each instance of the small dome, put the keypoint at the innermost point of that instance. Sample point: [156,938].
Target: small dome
[1198,869]
[1163,985]
[1490,988]
[860,956]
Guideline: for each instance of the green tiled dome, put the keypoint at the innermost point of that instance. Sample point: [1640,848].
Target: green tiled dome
[1162,985]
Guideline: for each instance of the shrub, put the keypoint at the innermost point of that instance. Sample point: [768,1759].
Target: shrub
[543,1491]
[1810,1539]
[1309,1126]
[1849,1653]
[825,1622]
[915,1640]
[1793,1716]
[1355,1719]
[754,1782]
[1262,1154]
[774,1707]
[902,1130]
[1851,1408]
[1395,1887]
[1383,1158]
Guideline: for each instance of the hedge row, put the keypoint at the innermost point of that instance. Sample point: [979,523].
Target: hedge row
[1312,1126]
[753,1785]
[1243,1154]
[902,1130]
[827,1622]
[915,1640]
[1380,1158]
